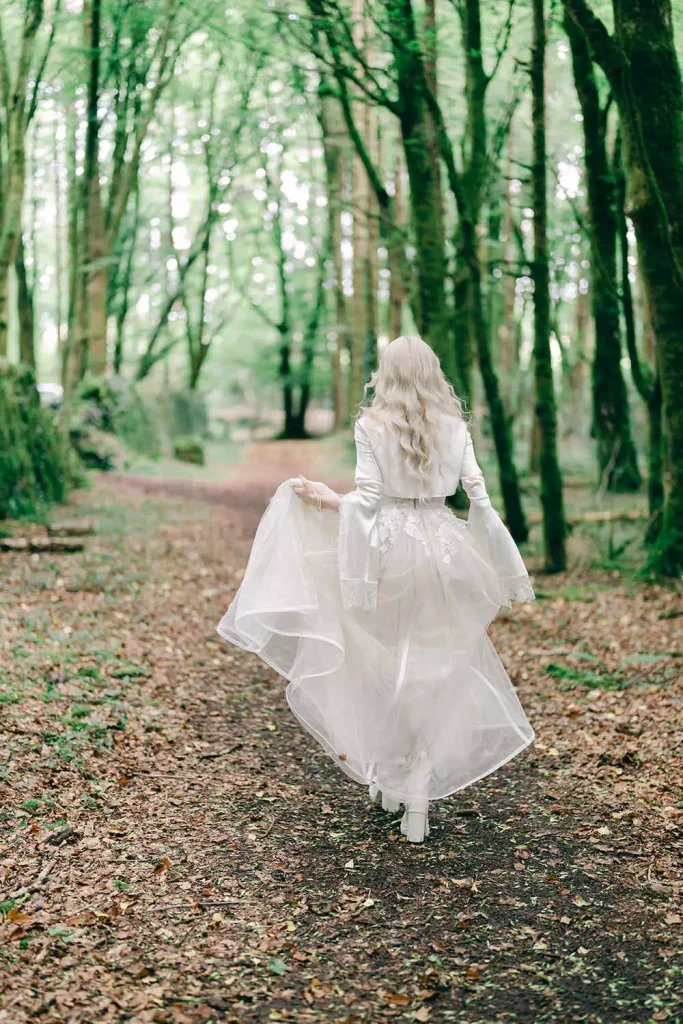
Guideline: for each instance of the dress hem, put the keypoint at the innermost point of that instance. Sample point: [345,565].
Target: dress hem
[335,755]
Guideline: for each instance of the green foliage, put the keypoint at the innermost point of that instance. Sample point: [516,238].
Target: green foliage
[185,413]
[35,463]
[189,449]
[113,405]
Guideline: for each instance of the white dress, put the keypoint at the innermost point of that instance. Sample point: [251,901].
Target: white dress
[377,616]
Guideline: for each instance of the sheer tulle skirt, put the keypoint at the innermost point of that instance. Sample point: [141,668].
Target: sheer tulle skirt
[409,695]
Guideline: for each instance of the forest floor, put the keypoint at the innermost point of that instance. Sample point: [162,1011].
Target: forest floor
[173,848]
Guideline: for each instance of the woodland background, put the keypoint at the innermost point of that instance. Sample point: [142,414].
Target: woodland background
[226,212]
[213,216]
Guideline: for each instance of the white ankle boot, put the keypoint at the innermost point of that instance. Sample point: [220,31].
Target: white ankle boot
[388,802]
[415,822]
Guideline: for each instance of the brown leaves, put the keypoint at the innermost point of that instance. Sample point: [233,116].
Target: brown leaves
[235,910]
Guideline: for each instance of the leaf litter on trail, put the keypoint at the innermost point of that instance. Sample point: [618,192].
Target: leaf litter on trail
[174,845]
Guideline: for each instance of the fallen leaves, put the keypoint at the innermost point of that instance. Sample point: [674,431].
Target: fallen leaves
[176,846]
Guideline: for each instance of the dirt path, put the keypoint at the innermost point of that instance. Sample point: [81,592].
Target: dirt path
[175,849]
[267,464]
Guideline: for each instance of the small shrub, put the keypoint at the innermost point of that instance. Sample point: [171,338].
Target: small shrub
[189,449]
[112,405]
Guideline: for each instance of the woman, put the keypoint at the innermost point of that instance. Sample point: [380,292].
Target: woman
[375,604]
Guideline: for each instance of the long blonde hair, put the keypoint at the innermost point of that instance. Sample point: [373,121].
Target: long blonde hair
[412,395]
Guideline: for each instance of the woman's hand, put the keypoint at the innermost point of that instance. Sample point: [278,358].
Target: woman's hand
[315,493]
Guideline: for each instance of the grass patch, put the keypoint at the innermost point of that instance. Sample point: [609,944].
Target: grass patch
[583,594]
[600,679]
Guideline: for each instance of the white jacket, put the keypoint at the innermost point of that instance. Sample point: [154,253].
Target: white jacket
[382,474]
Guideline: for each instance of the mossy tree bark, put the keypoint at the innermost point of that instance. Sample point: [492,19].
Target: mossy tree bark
[645,378]
[335,149]
[468,191]
[552,500]
[15,114]
[641,63]
[365,222]
[617,461]
[25,306]
[417,133]
[396,282]
[91,340]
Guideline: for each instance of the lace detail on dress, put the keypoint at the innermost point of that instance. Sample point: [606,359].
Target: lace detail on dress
[446,527]
[393,521]
[358,594]
[518,588]
[449,535]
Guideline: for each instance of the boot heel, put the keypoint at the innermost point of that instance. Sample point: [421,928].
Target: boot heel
[389,804]
[416,826]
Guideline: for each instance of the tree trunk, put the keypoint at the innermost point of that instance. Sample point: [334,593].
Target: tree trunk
[500,424]
[617,462]
[15,125]
[94,351]
[125,285]
[471,197]
[645,31]
[646,380]
[308,354]
[554,526]
[4,305]
[335,146]
[365,231]
[508,355]
[396,283]
[59,269]
[289,429]
[431,303]
[581,342]
[431,54]
[641,63]
[27,352]
[70,349]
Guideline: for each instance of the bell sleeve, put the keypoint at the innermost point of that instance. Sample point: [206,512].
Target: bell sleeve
[358,543]
[490,536]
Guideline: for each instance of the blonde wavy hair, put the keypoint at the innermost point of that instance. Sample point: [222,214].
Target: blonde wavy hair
[412,395]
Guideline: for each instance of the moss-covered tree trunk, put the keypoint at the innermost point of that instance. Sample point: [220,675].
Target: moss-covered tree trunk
[617,462]
[34,456]
[500,423]
[431,305]
[14,119]
[365,228]
[554,525]
[468,191]
[645,378]
[25,308]
[69,370]
[396,283]
[645,31]
[641,62]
